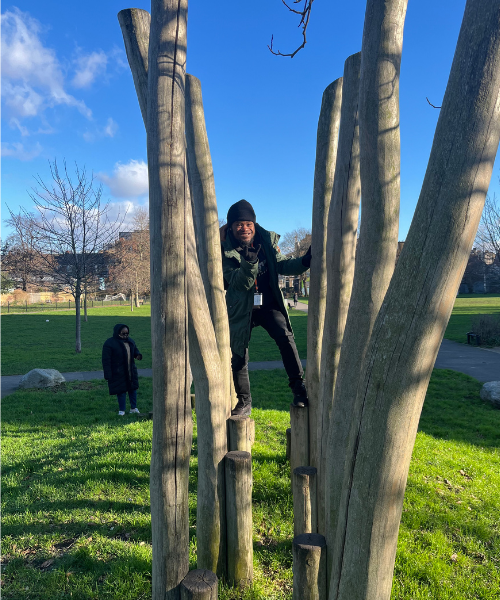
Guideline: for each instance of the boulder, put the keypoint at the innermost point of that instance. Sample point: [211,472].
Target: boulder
[41,378]
[491,392]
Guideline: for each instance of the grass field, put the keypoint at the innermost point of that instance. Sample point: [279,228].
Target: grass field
[29,341]
[76,514]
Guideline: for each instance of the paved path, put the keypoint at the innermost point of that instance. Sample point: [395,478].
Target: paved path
[481,363]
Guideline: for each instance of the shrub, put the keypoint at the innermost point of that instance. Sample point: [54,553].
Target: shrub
[488,328]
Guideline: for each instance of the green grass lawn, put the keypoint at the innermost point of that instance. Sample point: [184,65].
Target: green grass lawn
[466,306]
[76,514]
[29,341]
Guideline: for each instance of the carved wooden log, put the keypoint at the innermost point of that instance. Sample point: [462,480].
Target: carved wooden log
[199,584]
[288,442]
[326,157]
[309,567]
[239,518]
[373,438]
[304,500]
[172,423]
[201,181]
[341,249]
[240,433]
[299,437]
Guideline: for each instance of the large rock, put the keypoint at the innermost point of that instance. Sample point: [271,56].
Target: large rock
[41,378]
[491,392]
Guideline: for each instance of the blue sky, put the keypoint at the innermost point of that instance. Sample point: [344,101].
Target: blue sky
[68,93]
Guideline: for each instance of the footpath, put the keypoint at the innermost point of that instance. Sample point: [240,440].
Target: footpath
[481,363]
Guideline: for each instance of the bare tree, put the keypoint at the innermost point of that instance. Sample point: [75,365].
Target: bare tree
[305,15]
[19,254]
[73,228]
[488,234]
[294,244]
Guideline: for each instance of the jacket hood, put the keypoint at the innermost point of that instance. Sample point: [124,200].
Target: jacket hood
[117,328]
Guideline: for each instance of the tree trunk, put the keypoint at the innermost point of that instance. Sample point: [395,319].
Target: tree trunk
[372,441]
[211,419]
[137,304]
[135,25]
[78,295]
[172,422]
[131,300]
[202,186]
[340,249]
[326,157]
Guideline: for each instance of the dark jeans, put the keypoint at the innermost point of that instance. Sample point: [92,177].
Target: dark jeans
[275,324]
[132,396]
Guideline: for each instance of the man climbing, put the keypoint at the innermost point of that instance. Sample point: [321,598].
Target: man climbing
[251,264]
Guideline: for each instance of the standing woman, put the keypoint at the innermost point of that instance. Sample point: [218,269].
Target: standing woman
[118,354]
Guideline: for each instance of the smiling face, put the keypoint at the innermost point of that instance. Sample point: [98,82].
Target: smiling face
[244,232]
[123,333]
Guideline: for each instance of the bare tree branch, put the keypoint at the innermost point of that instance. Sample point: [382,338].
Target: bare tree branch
[305,15]
[431,103]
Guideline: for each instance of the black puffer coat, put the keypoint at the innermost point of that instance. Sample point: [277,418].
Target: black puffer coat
[114,363]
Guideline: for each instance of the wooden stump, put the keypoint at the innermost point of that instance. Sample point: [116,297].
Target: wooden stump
[299,438]
[239,518]
[288,442]
[309,567]
[199,584]
[241,431]
[304,500]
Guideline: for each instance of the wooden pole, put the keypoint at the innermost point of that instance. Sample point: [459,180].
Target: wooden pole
[326,157]
[240,433]
[299,437]
[239,518]
[172,423]
[340,249]
[309,567]
[373,438]
[288,443]
[201,181]
[199,584]
[305,516]
[211,418]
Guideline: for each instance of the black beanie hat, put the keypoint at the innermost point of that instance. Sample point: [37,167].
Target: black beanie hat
[241,211]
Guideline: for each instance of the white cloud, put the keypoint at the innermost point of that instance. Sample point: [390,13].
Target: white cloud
[128,180]
[89,66]
[33,78]
[111,128]
[14,123]
[18,151]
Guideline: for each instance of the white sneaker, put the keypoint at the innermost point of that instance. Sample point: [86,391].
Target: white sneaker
[121,413]
[135,410]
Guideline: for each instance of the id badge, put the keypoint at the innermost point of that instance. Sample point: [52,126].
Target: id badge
[257,299]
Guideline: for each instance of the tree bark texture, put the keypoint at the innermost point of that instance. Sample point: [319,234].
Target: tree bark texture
[172,422]
[210,417]
[78,332]
[309,567]
[304,500]
[372,459]
[202,186]
[326,157]
[299,437]
[340,249]
[135,25]
[239,518]
[199,584]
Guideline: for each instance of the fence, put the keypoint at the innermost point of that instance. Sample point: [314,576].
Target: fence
[17,307]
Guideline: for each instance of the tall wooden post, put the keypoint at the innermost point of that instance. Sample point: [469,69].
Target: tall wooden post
[201,181]
[373,438]
[172,424]
[326,157]
[340,249]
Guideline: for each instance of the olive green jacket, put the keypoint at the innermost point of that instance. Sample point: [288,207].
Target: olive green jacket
[240,275]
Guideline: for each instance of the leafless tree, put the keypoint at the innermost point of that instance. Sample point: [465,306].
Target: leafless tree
[488,234]
[294,244]
[304,15]
[19,255]
[73,228]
